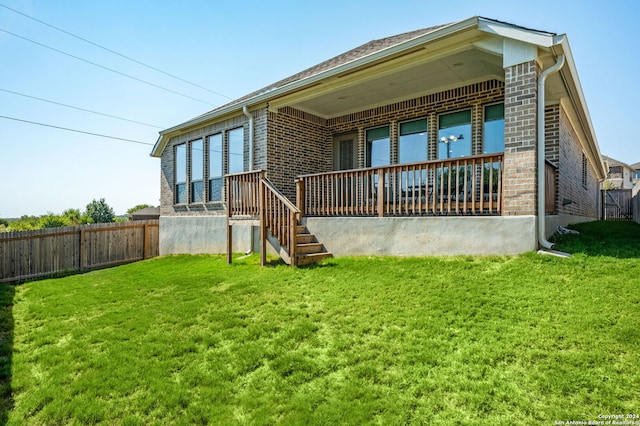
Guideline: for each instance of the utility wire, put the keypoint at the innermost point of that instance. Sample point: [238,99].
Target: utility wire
[81,109]
[106,68]
[76,131]
[115,53]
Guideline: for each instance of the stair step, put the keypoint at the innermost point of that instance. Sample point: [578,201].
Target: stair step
[305,238]
[309,248]
[306,259]
[301,229]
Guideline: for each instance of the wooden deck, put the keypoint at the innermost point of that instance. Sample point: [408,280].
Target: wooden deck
[470,186]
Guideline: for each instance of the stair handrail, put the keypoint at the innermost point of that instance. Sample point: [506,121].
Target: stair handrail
[273,202]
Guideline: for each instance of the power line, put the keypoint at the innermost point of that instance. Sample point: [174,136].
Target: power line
[106,68]
[116,53]
[76,130]
[81,109]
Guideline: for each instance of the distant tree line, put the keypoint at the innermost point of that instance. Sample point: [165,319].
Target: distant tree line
[97,211]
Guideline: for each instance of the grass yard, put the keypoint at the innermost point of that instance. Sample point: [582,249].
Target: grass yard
[518,340]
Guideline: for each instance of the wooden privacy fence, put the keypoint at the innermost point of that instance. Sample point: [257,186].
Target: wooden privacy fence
[616,204]
[33,254]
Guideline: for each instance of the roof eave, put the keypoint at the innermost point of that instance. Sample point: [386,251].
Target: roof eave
[570,76]
[445,31]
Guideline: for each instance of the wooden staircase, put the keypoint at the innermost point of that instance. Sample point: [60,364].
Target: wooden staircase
[308,249]
[252,196]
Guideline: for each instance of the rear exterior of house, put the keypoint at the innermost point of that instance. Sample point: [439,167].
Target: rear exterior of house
[423,143]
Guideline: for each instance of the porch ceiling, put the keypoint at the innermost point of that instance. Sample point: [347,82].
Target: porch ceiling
[414,74]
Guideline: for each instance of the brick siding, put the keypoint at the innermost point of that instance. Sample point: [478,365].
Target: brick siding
[583,198]
[520,103]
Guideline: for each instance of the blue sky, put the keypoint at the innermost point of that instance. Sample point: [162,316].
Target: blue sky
[231,48]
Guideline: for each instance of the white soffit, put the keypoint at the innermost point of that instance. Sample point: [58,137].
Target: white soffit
[516,33]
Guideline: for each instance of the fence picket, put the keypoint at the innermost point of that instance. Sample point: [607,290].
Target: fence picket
[34,254]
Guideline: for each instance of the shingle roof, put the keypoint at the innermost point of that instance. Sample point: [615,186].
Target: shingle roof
[344,58]
[636,166]
[614,162]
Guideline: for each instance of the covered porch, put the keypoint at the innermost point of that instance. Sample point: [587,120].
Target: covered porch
[460,187]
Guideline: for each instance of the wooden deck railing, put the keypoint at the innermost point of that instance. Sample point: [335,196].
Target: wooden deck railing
[280,217]
[252,195]
[460,186]
[241,193]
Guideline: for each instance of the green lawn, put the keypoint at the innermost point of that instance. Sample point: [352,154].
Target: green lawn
[518,340]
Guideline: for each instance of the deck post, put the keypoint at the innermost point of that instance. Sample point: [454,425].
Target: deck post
[380,193]
[293,238]
[300,195]
[227,196]
[263,231]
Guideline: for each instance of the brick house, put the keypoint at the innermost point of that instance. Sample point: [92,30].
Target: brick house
[462,138]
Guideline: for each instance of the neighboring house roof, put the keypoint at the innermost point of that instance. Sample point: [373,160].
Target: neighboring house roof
[613,162]
[635,166]
[498,39]
[146,213]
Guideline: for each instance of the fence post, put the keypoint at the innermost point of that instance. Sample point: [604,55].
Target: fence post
[83,250]
[145,241]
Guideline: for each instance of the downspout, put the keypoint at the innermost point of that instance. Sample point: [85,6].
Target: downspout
[246,112]
[542,238]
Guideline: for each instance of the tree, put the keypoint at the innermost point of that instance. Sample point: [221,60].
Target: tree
[25,223]
[100,212]
[75,217]
[52,221]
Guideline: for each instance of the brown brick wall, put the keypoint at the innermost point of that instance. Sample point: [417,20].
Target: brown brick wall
[570,186]
[520,105]
[298,143]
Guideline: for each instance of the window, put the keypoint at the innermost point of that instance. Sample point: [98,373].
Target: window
[412,145]
[236,150]
[181,174]
[378,147]
[197,171]
[454,135]
[215,167]
[493,133]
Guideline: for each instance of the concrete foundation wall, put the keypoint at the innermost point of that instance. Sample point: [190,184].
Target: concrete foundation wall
[425,236]
[200,234]
[364,236]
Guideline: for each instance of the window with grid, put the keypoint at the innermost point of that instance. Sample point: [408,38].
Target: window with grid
[197,171]
[180,174]
[215,167]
